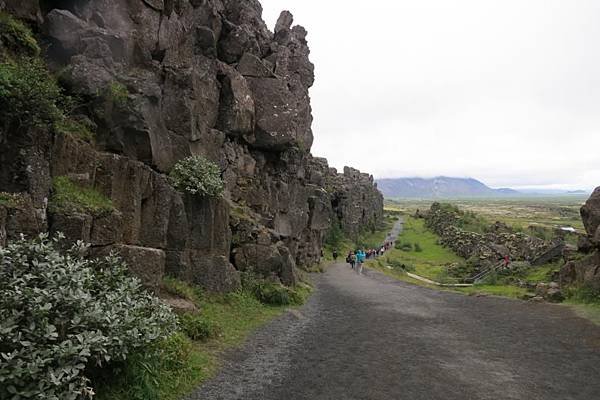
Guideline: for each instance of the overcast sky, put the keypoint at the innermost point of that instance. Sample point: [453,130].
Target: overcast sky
[505,91]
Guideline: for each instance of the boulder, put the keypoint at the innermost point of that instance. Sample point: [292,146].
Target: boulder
[75,226]
[267,261]
[283,118]
[585,271]
[236,107]
[251,65]
[147,264]
[590,214]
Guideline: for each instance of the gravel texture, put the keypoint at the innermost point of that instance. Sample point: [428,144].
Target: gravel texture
[371,337]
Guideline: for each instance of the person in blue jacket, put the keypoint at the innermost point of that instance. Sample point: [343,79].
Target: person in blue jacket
[360,259]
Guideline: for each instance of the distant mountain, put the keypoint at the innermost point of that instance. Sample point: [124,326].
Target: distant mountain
[439,188]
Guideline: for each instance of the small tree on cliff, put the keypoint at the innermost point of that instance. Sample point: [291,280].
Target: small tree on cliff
[197,175]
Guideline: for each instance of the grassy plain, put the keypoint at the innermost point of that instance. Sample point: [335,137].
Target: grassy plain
[546,212]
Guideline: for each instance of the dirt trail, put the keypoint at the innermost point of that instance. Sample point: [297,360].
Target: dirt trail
[372,337]
[396,230]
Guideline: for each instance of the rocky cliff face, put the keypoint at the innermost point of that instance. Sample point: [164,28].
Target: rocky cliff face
[585,270]
[160,80]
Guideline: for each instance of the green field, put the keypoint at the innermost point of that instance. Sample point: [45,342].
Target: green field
[432,259]
[546,212]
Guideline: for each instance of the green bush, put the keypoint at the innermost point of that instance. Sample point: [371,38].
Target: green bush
[197,327]
[418,248]
[29,95]
[587,293]
[403,246]
[272,293]
[16,37]
[62,314]
[197,175]
[142,376]
[335,236]
[67,196]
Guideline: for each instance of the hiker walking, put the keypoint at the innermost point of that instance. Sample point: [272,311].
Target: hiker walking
[506,261]
[360,259]
[351,259]
[335,255]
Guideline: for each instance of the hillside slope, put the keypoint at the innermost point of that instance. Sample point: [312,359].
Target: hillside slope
[439,187]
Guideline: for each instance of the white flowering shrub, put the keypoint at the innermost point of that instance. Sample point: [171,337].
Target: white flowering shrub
[197,175]
[62,314]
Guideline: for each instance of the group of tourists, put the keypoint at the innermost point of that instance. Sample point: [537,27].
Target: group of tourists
[358,257]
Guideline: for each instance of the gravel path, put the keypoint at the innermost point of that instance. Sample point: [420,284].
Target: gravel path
[371,337]
[396,230]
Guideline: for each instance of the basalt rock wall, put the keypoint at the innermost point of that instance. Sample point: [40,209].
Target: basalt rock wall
[161,80]
[585,269]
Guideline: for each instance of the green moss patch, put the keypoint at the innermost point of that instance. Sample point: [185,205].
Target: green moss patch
[16,37]
[77,129]
[67,197]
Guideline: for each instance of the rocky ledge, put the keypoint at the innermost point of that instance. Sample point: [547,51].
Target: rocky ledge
[584,267]
[159,81]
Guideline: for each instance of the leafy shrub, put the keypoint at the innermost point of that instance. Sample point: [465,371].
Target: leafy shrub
[418,248]
[396,264]
[197,327]
[335,235]
[29,95]
[142,376]
[587,293]
[197,175]
[16,37]
[67,196]
[272,293]
[61,314]
[403,246]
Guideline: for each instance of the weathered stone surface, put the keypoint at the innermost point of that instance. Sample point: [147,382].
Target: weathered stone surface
[252,66]
[75,226]
[145,263]
[590,214]
[212,272]
[269,261]
[283,118]
[107,229]
[585,271]
[236,107]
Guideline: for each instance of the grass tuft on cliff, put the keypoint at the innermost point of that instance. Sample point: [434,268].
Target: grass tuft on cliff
[16,37]
[68,197]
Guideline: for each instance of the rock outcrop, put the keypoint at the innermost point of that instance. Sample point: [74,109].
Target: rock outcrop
[163,80]
[585,269]
[498,240]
